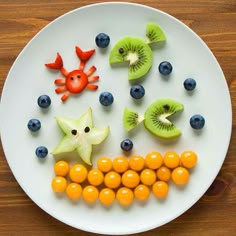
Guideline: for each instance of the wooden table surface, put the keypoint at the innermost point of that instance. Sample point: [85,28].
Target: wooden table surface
[215,22]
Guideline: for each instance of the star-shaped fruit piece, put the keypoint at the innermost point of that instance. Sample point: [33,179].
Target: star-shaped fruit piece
[80,135]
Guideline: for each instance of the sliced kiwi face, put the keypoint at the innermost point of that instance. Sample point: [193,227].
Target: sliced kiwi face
[156,118]
[154,33]
[131,119]
[134,51]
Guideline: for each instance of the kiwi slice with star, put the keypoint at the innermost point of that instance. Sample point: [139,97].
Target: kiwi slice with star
[131,119]
[154,33]
[156,118]
[136,52]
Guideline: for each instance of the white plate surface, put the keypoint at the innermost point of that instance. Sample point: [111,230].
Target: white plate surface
[28,78]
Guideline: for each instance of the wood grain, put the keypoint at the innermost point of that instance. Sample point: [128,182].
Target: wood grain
[215,22]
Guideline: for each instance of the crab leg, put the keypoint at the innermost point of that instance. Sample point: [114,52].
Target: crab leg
[65,96]
[91,70]
[64,71]
[61,89]
[93,78]
[59,81]
[92,86]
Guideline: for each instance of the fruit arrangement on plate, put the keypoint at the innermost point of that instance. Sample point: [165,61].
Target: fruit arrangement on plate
[123,178]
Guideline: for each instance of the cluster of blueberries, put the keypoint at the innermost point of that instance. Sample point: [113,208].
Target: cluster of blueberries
[44,101]
[196,121]
[137,91]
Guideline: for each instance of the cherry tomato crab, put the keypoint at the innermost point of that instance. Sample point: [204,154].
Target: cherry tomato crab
[76,80]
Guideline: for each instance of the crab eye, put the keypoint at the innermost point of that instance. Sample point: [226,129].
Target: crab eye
[71,78]
[87,129]
[78,76]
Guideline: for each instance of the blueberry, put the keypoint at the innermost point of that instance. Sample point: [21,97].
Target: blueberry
[41,152]
[34,125]
[126,145]
[106,98]
[102,40]
[197,121]
[190,84]
[137,91]
[44,101]
[165,68]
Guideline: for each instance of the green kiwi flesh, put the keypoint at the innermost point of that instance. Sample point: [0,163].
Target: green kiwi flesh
[156,118]
[131,119]
[134,51]
[154,33]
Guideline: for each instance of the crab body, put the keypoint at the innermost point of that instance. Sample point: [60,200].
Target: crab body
[77,80]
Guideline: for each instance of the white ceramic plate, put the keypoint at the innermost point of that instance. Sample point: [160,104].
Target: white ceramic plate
[28,78]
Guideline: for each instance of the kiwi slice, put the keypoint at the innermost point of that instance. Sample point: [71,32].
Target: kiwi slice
[154,33]
[131,119]
[136,52]
[156,118]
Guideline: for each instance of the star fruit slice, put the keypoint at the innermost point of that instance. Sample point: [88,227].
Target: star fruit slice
[80,135]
